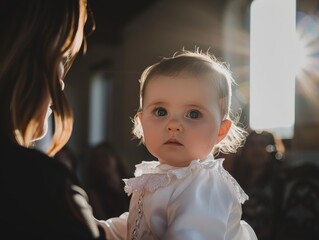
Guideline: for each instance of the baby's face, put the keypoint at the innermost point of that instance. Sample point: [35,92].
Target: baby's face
[180,118]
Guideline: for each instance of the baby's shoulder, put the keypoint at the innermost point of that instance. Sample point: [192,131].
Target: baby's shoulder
[229,180]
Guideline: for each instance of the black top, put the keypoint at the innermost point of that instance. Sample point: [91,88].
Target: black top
[41,199]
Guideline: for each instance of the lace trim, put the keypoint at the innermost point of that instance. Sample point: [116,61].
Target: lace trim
[140,213]
[138,183]
[151,177]
[241,195]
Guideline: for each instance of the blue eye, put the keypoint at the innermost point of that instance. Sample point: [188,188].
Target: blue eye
[193,114]
[160,112]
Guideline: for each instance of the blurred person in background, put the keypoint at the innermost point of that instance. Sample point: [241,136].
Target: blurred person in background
[102,176]
[257,168]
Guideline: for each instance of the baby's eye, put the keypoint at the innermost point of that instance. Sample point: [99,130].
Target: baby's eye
[160,112]
[194,114]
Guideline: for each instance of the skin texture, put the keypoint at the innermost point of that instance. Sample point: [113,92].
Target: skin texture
[181,119]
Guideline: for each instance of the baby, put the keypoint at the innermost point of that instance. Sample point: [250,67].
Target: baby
[184,120]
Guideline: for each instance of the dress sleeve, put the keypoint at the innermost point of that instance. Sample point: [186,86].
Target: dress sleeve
[206,208]
[239,229]
[115,228]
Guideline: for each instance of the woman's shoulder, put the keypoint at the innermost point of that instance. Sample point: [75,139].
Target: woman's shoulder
[44,192]
[32,173]
[32,170]
[31,160]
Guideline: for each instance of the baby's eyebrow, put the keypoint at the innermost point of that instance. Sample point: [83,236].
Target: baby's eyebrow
[156,103]
[192,105]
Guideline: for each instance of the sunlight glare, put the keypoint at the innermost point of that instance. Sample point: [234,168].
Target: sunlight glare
[272,60]
[307,45]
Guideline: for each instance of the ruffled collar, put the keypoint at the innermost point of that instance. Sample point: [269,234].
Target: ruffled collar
[155,167]
[151,175]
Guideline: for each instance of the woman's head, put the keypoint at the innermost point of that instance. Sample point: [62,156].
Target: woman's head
[105,167]
[199,66]
[40,39]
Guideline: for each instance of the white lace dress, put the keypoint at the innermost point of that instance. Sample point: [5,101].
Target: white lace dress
[201,202]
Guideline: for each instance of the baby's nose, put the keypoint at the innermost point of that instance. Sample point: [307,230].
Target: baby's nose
[174,125]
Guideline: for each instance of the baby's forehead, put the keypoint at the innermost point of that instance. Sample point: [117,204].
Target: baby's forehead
[183,88]
[182,79]
[209,80]
[211,75]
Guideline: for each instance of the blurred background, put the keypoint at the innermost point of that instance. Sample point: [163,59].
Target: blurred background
[103,86]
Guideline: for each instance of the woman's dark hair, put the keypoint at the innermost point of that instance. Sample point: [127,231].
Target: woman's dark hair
[37,36]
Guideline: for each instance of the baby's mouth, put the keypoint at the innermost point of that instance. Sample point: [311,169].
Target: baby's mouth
[173,142]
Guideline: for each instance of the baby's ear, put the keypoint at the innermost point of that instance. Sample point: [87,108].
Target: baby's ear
[223,130]
[138,118]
